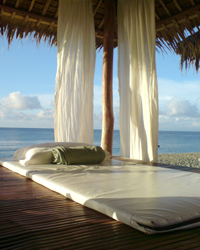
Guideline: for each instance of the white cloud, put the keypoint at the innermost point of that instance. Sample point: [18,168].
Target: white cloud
[97,98]
[176,107]
[170,123]
[18,115]
[52,103]
[97,119]
[47,114]
[179,103]
[44,119]
[168,89]
[116,117]
[179,114]
[180,109]
[17,110]
[46,100]
[16,101]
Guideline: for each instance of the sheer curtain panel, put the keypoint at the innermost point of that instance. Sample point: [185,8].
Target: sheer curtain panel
[137,79]
[75,72]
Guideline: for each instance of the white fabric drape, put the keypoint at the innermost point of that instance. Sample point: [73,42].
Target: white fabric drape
[75,72]
[137,79]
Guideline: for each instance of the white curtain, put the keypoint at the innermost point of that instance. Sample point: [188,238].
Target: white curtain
[137,79]
[75,72]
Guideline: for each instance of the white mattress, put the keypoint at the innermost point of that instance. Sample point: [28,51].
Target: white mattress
[150,199]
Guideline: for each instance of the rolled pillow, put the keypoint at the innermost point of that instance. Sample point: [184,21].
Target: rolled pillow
[73,155]
[78,155]
[20,154]
[35,157]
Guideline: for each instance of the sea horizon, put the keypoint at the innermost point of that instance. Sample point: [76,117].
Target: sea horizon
[101,129]
[170,142]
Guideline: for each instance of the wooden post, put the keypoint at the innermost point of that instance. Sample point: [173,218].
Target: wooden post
[107,78]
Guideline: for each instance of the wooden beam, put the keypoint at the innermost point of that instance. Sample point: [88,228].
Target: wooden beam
[178,16]
[56,14]
[192,2]
[26,13]
[102,22]
[17,3]
[107,79]
[157,17]
[165,7]
[177,5]
[31,6]
[46,7]
[16,6]
[5,13]
[95,11]
[178,22]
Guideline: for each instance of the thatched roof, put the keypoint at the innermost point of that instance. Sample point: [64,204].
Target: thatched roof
[175,20]
[190,52]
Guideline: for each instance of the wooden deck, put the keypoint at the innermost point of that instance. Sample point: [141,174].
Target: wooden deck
[34,217]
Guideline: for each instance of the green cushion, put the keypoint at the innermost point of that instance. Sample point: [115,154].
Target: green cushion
[78,155]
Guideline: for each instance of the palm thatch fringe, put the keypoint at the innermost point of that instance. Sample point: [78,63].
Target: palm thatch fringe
[175,21]
[22,28]
[190,52]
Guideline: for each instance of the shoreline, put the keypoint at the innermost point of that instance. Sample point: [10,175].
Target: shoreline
[180,159]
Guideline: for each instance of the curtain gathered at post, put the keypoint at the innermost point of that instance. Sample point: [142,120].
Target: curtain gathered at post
[137,79]
[75,72]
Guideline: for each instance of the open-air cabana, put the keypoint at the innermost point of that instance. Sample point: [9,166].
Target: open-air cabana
[174,21]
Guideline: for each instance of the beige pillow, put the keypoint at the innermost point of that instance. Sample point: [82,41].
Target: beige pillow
[37,156]
[108,155]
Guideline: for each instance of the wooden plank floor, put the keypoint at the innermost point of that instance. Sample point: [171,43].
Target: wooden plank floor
[34,217]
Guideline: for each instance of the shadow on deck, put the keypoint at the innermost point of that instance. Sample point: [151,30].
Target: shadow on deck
[34,217]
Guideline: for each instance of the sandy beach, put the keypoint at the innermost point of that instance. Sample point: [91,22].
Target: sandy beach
[186,159]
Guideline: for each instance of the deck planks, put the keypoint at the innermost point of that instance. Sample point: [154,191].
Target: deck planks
[34,217]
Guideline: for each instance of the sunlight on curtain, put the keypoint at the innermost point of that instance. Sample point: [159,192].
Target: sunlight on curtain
[137,79]
[75,72]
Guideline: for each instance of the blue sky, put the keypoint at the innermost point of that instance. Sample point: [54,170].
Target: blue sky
[27,79]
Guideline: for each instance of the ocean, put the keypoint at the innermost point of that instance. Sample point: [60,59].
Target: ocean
[12,139]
